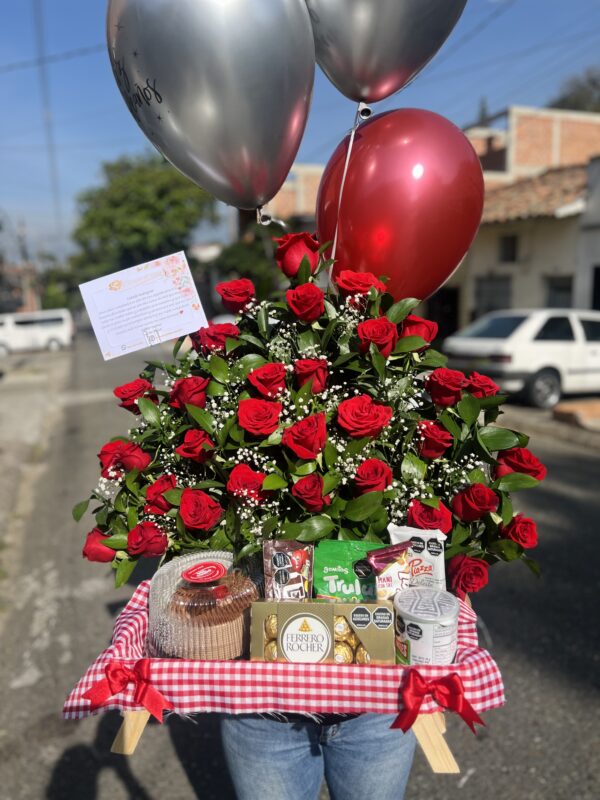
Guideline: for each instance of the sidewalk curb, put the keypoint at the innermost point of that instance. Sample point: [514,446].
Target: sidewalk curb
[569,428]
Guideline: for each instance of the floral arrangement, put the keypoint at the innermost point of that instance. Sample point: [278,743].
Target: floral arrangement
[326,414]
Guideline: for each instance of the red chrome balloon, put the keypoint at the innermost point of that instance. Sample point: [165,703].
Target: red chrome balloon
[411,204]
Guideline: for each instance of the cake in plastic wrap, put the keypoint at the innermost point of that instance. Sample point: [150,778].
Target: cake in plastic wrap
[199,608]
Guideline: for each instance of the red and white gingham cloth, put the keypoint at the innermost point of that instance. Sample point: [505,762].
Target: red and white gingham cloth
[238,687]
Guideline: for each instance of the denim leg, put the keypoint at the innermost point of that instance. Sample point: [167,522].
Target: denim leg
[270,760]
[364,757]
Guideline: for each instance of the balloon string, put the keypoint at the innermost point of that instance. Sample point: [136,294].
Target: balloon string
[363,111]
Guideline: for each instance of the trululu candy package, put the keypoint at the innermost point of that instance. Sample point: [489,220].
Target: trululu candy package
[288,570]
[342,571]
[426,555]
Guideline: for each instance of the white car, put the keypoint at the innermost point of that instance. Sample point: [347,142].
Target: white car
[542,353]
[36,330]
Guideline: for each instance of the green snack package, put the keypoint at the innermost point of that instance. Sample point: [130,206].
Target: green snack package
[342,572]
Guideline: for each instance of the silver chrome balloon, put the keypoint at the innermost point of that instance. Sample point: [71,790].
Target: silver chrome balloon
[222,88]
[370,49]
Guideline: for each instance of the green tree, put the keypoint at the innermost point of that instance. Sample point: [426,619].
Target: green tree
[143,209]
[580,93]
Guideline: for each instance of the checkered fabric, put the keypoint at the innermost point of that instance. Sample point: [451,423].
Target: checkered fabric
[241,687]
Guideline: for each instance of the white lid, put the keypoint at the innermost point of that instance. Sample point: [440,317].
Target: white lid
[423,604]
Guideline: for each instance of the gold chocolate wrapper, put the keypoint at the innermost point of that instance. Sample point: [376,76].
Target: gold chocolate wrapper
[362,657]
[271,626]
[343,653]
[341,629]
[271,650]
[352,640]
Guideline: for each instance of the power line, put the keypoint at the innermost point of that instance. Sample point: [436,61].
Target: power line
[53,58]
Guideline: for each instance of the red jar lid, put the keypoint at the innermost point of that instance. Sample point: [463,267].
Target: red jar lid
[204,572]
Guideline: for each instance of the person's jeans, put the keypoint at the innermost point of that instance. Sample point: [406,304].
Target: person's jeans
[359,757]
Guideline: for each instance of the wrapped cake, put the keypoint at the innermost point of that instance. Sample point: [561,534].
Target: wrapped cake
[199,608]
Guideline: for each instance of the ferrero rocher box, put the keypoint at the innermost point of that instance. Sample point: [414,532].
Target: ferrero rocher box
[314,632]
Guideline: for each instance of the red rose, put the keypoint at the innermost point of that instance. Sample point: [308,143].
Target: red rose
[306,301]
[445,386]
[122,455]
[309,491]
[315,369]
[307,437]
[292,248]
[197,446]
[373,475]
[245,482]
[474,502]
[128,393]
[360,416]
[520,459]
[467,575]
[382,332]
[259,417]
[417,326]
[481,386]
[269,379]
[94,550]
[429,518]
[188,391]
[155,502]
[434,439]
[521,530]
[351,283]
[213,338]
[198,510]
[236,294]
[146,540]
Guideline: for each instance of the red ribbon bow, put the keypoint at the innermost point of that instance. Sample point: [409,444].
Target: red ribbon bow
[118,676]
[447,692]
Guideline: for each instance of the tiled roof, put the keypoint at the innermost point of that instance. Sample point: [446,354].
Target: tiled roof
[540,196]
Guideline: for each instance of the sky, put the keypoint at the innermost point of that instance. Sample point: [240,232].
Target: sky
[506,51]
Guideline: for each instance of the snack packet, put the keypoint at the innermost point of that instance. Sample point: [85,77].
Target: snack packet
[426,555]
[288,570]
[391,566]
[342,571]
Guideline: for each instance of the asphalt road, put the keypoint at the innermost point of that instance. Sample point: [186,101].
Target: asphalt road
[59,610]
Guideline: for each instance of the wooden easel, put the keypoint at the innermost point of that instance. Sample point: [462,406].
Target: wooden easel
[429,730]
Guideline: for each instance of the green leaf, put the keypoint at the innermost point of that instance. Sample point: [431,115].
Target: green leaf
[328,334]
[330,481]
[215,389]
[492,402]
[118,541]
[131,481]
[379,521]
[120,502]
[262,319]
[346,535]
[433,359]
[413,469]
[306,469]
[378,362]
[218,368]
[204,419]
[371,536]
[506,549]
[450,424]
[149,411]
[515,481]
[274,481]
[208,485]
[330,454]
[356,446]
[401,310]
[177,346]
[409,343]
[342,359]
[249,362]
[232,344]
[173,496]
[433,502]
[477,476]
[361,508]
[304,271]
[506,509]
[224,431]
[302,396]
[460,534]
[248,337]
[219,541]
[248,550]
[468,408]
[311,529]
[132,517]
[495,438]
[533,566]
[124,569]
[306,340]
[79,509]
[330,310]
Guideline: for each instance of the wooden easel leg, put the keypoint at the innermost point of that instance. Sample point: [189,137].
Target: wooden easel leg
[428,729]
[130,732]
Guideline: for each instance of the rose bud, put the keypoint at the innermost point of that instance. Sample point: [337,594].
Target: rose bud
[213,338]
[521,530]
[481,386]
[309,491]
[467,575]
[292,248]
[122,455]
[435,439]
[417,326]
[306,438]
[244,482]
[352,283]
[307,302]
[199,511]
[94,550]
[373,475]
[429,518]
[236,295]
[445,386]
[188,391]
[381,332]
[259,417]
[155,502]
[146,540]
[315,369]
[360,416]
[474,502]
[269,379]
[197,446]
[128,393]
[520,459]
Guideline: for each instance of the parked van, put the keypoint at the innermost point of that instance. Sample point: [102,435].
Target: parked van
[36,330]
[542,353]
